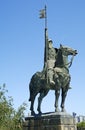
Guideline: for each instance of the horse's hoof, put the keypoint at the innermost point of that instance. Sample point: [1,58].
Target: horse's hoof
[33,113]
[63,110]
[39,113]
[57,110]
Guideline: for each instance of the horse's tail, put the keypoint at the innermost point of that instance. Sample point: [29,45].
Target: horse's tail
[32,86]
[30,93]
[29,99]
[30,89]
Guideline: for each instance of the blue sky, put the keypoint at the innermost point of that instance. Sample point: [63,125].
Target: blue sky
[22,47]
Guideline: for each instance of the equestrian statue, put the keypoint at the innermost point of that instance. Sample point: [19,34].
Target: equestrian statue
[54,76]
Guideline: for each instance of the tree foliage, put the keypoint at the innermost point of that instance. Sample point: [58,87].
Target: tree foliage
[10,119]
[81,125]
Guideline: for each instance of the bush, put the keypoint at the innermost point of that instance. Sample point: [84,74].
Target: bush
[10,119]
[81,126]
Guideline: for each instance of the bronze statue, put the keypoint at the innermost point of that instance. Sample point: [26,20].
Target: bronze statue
[54,76]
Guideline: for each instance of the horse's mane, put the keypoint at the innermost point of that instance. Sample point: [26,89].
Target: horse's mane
[59,58]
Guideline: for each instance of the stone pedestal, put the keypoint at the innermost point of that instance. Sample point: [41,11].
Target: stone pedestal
[50,121]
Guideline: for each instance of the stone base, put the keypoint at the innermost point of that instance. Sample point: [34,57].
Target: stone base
[50,121]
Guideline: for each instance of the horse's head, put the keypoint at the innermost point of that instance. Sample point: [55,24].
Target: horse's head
[67,50]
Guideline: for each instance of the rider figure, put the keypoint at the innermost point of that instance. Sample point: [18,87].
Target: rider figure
[51,62]
[52,55]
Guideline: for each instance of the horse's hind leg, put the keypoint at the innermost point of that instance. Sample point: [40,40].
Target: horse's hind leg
[42,95]
[32,105]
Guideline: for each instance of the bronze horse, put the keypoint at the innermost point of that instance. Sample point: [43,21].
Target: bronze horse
[38,83]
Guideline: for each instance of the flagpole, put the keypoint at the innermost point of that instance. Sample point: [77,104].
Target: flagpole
[46,47]
[46,40]
[43,14]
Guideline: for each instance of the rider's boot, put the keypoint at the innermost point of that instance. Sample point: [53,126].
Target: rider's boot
[69,87]
[50,77]
[51,82]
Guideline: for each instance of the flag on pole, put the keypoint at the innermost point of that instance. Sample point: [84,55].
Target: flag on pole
[42,13]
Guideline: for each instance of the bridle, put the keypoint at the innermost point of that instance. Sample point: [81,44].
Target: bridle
[69,63]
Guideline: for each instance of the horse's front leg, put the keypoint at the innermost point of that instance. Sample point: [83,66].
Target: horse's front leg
[64,94]
[57,94]
[42,95]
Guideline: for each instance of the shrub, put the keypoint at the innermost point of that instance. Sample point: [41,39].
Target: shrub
[81,125]
[10,119]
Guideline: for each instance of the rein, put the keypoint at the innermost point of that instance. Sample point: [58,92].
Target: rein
[69,63]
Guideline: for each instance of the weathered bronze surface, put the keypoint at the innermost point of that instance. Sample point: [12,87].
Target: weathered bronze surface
[55,76]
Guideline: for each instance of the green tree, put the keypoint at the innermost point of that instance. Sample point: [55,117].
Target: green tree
[81,124]
[10,119]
